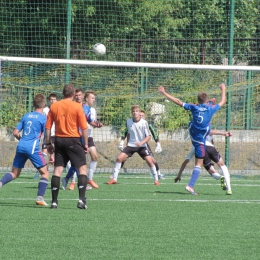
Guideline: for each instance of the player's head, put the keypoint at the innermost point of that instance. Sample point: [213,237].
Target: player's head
[39,101]
[142,113]
[135,109]
[52,98]
[202,98]
[68,91]
[78,95]
[90,97]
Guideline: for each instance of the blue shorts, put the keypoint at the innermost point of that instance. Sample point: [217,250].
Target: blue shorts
[23,154]
[198,139]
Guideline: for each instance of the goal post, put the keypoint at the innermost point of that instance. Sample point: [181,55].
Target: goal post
[119,85]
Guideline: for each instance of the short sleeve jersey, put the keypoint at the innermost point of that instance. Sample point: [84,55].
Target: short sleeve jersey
[32,124]
[68,116]
[201,114]
[45,113]
[137,131]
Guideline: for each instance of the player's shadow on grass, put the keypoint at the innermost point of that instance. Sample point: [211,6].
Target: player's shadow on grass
[171,192]
[20,205]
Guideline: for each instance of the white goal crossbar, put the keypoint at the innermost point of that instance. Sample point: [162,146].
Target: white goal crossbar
[131,64]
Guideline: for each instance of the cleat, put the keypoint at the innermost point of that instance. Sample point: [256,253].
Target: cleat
[229,192]
[93,184]
[41,202]
[191,190]
[64,183]
[161,177]
[54,205]
[89,187]
[223,183]
[112,181]
[157,183]
[36,176]
[82,204]
[72,186]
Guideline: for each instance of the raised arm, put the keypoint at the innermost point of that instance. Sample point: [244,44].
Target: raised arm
[223,94]
[172,98]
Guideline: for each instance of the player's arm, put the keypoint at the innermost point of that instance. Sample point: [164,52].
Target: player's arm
[172,98]
[184,164]
[158,148]
[216,132]
[223,94]
[121,143]
[16,134]
[145,140]
[85,139]
[96,124]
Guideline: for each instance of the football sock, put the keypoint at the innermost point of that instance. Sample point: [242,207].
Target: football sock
[6,178]
[154,173]
[216,175]
[116,170]
[71,172]
[42,186]
[73,178]
[195,175]
[68,166]
[157,166]
[82,184]
[122,164]
[92,168]
[226,175]
[55,186]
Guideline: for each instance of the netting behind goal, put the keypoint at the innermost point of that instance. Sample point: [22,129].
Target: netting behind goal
[118,86]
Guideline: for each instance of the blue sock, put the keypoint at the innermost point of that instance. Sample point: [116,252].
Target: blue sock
[195,175]
[6,178]
[71,172]
[42,186]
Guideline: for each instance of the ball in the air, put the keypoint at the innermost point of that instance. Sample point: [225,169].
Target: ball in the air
[99,49]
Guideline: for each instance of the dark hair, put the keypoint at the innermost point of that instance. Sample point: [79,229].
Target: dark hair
[202,97]
[52,95]
[88,92]
[68,91]
[39,101]
[78,90]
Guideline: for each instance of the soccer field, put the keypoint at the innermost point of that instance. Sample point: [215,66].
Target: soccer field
[133,220]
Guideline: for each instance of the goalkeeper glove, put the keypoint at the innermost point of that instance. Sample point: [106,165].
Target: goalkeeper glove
[121,146]
[158,148]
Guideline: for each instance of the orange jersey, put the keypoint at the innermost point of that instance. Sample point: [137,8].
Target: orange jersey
[68,116]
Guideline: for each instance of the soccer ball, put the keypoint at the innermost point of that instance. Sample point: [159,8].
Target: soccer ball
[99,49]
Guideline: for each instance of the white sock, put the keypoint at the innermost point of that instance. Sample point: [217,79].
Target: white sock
[91,170]
[226,175]
[116,170]
[68,166]
[216,175]
[158,173]
[154,173]
[73,178]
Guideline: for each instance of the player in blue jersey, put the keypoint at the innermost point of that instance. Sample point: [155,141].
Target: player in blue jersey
[199,127]
[92,121]
[32,125]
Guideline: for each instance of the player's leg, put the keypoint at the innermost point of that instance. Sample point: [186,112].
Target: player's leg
[213,155]
[93,163]
[70,175]
[145,154]
[160,176]
[122,157]
[42,186]
[226,174]
[77,157]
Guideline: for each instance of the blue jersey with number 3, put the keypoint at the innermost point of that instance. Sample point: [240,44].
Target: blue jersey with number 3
[32,124]
[201,114]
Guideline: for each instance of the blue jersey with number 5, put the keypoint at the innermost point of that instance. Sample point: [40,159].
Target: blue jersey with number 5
[32,124]
[201,114]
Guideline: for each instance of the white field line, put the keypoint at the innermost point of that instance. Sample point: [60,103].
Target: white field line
[146,200]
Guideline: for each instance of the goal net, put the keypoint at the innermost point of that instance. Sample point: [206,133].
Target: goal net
[119,85]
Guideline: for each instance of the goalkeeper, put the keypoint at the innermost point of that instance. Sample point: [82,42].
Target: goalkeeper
[158,148]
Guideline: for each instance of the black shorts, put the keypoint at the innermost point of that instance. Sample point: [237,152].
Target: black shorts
[91,142]
[150,150]
[211,155]
[142,151]
[69,149]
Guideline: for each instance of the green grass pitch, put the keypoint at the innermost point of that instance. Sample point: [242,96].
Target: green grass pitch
[132,220]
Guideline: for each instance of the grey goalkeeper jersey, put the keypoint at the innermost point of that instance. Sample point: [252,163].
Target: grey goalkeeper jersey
[137,131]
